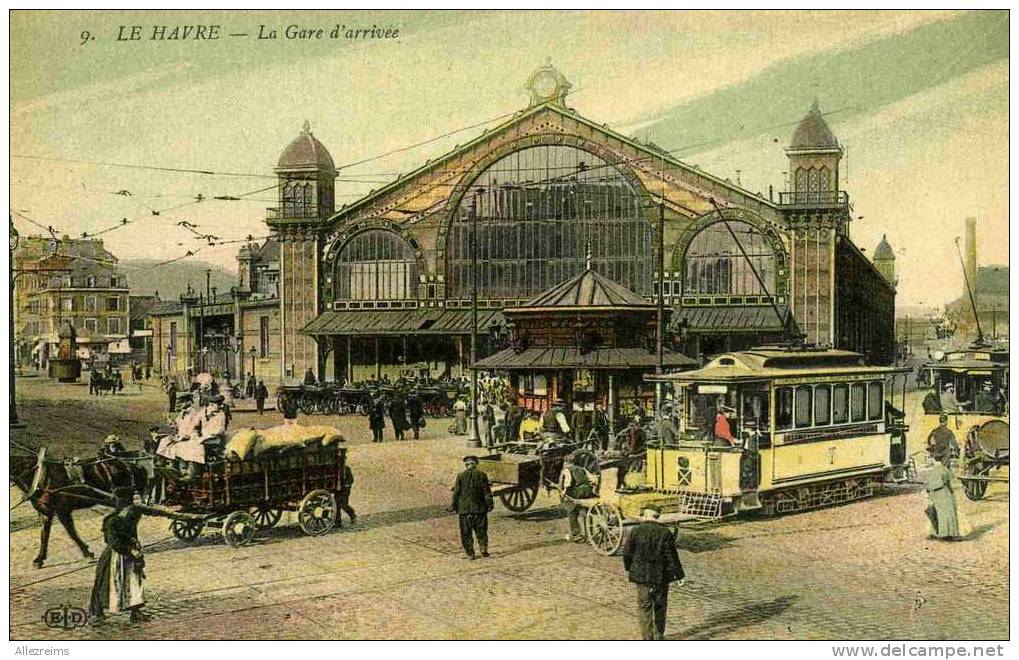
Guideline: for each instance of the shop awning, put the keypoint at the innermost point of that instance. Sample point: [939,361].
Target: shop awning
[401,322]
[729,318]
[572,358]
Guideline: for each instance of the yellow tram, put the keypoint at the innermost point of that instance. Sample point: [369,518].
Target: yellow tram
[773,429]
[970,388]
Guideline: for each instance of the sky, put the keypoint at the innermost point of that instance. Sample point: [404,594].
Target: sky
[918,99]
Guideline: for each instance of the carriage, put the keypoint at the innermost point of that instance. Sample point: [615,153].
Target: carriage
[979,376]
[772,430]
[245,496]
[518,470]
[322,398]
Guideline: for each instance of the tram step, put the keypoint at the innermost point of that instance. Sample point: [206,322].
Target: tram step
[750,501]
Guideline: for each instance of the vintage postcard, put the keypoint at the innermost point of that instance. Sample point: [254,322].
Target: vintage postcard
[510,325]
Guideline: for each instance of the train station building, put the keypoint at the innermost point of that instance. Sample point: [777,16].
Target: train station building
[384,285]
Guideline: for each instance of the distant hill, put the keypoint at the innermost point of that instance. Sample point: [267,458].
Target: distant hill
[171,280]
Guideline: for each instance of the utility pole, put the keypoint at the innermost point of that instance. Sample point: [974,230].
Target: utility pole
[660,338]
[13,245]
[475,437]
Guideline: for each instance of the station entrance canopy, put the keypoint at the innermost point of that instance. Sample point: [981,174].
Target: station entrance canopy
[402,322]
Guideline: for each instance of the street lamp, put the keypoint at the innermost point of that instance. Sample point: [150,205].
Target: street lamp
[253,352]
[12,243]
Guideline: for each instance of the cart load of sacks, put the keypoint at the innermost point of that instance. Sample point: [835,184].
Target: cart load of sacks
[253,443]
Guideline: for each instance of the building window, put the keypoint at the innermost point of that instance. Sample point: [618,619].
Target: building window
[263,336]
[91,325]
[113,325]
[90,303]
[114,281]
[716,265]
[173,336]
[113,304]
[538,211]
[90,281]
[375,265]
[298,199]
[67,304]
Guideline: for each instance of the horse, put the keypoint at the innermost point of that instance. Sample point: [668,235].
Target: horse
[53,492]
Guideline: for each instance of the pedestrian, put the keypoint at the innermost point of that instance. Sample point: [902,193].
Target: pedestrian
[249,389]
[261,394]
[941,443]
[120,571]
[554,420]
[942,509]
[486,421]
[514,416]
[416,412]
[309,377]
[460,417]
[118,381]
[290,405]
[577,488]
[600,422]
[376,418]
[652,564]
[472,500]
[398,415]
[148,373]
[343,495]
[171,396]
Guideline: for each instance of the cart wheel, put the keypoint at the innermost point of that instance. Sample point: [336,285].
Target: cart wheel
[520,498]
[317,513]
[307,404]
[974,489]
[604,528]
[328,405]
[265,517]
[281,399]
[238,529]
[186,530]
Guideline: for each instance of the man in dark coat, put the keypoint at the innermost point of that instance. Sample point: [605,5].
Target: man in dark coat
[398,415]
[376,418]
[416,411]
[171,396]
[343,495]
[941,444]
[120,574]
[652,563]
[261,393]
[309,377]
[249,388]
[472,500]
[514,416]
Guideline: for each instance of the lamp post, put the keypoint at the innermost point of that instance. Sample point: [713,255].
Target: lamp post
[474,439]
[12,243]
[252,351]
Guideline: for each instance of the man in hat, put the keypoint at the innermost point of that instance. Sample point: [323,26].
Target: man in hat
[577,487]
[416,413]
[376,418]
[171,397]
[398,415]
[941,444]
[120,574]
[723,429]
[554,420]
[652,564]
[112,447]
[666,426]
[948,401]
[261,393]
[472,500]
[985,401]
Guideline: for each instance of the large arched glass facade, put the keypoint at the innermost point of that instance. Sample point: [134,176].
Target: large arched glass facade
[538,210]
[375,265]
[716,265]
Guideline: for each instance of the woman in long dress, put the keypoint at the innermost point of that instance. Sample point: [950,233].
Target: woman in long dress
[942,510]
[120,575]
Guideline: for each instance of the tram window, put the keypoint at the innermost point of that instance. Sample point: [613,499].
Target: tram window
[858,402]
[875,401]
[822,405]
[840,404]
[784,408]
[804,401]
[755,408]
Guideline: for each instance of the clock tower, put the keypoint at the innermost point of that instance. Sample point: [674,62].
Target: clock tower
[547,85]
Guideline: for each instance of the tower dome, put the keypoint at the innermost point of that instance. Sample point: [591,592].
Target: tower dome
[813,132]
[884,251]
[306,152]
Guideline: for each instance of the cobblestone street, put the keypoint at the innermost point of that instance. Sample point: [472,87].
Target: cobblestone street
[860,571]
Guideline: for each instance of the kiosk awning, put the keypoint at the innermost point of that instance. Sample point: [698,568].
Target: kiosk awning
[572,358]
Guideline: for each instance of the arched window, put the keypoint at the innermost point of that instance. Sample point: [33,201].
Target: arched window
[716,265]
[375,265]
[538,210]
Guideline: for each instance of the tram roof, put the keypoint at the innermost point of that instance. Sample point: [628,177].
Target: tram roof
[972,358]
[768,363]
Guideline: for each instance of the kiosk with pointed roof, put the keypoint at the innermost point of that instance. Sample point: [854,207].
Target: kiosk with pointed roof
[587,340]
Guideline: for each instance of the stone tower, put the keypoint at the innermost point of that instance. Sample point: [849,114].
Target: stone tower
[814,155]
[884,260]
[306,200]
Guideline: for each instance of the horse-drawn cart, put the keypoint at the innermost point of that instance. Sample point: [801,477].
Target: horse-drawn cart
[241,497]
[517,472]
[986,451]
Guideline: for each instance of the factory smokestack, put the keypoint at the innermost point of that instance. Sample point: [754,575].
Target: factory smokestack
[971,253]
